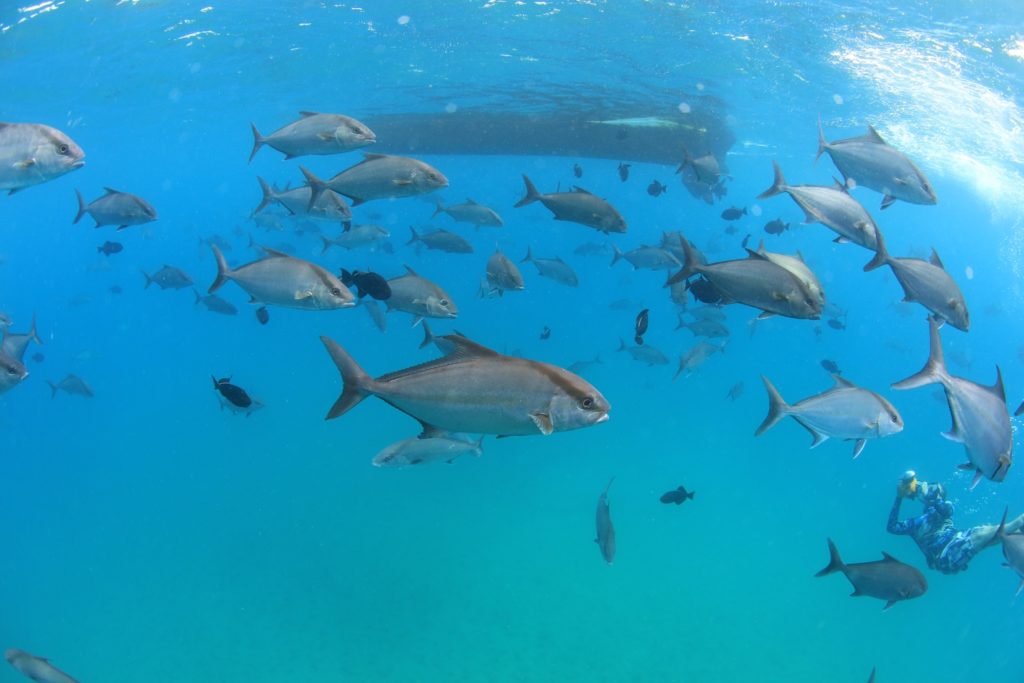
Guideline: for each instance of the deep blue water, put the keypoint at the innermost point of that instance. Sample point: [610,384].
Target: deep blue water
[150,536]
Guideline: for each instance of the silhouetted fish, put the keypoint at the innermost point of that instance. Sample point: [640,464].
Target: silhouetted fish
[38,357]
[605,529]
[577,170]
[367,283]
[546,334]
[886,579]
[679,496]
[624,172]
[776,227]
[262,315]
[734,213]
[831,366]
[233,394]
[641,327]
[836,324]
[734,391]
[109,248]
[656,188]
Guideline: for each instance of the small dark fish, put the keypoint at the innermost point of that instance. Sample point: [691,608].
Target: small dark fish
[831,367]
[776,227]
[624,172]
[679,496]
[655,188]
[367,283]
[38,357]
[262,315]
[235,395]
[577,170]
[641,327]
[605,529]
[546,334]
[109,248]
[735,391]
[705,292]
[836,324]
[733,213]
[731,230]
[115,289]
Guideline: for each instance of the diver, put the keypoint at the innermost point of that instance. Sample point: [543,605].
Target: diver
[947,549]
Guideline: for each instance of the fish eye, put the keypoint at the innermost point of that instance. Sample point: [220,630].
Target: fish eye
[587,403]
[895,419]
[335,291]
[443,302]
[62,149]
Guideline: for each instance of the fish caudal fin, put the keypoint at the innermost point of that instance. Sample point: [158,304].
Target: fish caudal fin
[531,194]
[316,186]
[428,336]
[690,262]
[358,385]
[82,207]
[53,389]
[616,254]
[934,371]
[778,184]
[414,237]
[528,257]
[439,208]
[257,141]
[223,271]
[835,563]
[822,145]
[881,255]
[268,195]
[777,407]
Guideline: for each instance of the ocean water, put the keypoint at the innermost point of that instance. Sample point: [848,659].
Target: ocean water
[148,535]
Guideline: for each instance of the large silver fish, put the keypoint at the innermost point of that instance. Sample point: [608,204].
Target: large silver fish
[329,206]
[12,372]
[501,274]
[168,277]
[605,539]
[285,281]
[72,384]
[419,296]
[357,236]
[471,212]
[886,579]
[644,354]
[476,390]
[981,420]
[380,176]
[696,357]
[1013,551]
[31,153]
[578,206]
[845,411]
[830,206]
[441,240]
[868,161]
[552,268]
[927,283]
[116,208]
[426,450]
[38,669]
[647,257]
[315,134]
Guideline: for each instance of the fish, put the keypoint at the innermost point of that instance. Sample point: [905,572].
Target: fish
[72,384]
[624,171]
[656,189]
[367,283]
[776,227]
[831,367]
[38,357]
[419,296]
[677,496]
[545,333]
[577,170]
[329,206]
[886,579]
[927,283]
[605,539]
[646,257]
[115,289]
[704,291]
[706,169]
[795,265]
[981,420]
[640,326]
[116,208]
[315,134]
[262,315]
[14,343]
[836,324]
[645,354]
[357,236]
[425,450]
[577,206]
[168,277]
[38,669]
[845,411]
[33,153]
[735,391]
[12,372]
[583,366]
[234,397]
[833,207]
[379,176]
[478,215]
[286,281]
[704,328]
[696,357]
[591,249]
[502,275]
[707,313]
[215,304]
[554,269]
[475,390]
[869,161]
[734,213]
[756,282]
[441,240]
[109,248]
[221,243]
[1013,551]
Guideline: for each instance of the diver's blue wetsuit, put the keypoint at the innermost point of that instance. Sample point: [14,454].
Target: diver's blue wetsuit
[946,549]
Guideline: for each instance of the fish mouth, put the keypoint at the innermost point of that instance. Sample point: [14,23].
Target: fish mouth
[79,163]
[602,418]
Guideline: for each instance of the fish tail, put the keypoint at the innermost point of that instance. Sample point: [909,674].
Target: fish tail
[835,563]
[531,193]
[316,186]
[687,160]
[216,384]
[327,245]
[1020,410]
[881,255]
[935,369]
[257,141]
[1001,531]
[414,237]
[690,263]
[428,336]
[198,298]
[223,271]
[53,389]
[778,184]
[82,207]
[478,446]
[438,207]
[822,145]
[528,257]
[358,385]
[32,333]
[777,407]
[149,280]
[690,494]
[268,195]
[616,254]
[622,345]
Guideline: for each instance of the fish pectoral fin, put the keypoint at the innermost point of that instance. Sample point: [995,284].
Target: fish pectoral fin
[887,201]
[764,314]
[325,136]
[401,181]
[24,163]
[303,294]
[543,422]
[856,593]
[888,605]
[955,436]
[858,447]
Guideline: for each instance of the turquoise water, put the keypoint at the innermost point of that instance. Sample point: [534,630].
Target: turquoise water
[150,536]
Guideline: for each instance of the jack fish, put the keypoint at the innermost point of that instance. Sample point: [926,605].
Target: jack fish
[553,268]
[38,669]
[425,450]
[501,275]
[73,384]
[470,212]
[116,208]
[419,296]
[329,206]
[886,579]
[578,206]
[315,134]
[31,153]
[379,176]
[605,529]
[285,281]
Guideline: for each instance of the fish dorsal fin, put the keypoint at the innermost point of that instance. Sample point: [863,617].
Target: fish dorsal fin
[844,383]
[841,186]
[470,201]
[756,255]
[577,188]
[463,347]
[410,271]
[369,156]
[307,114]
[760,246]
[873,136]
[110,190]
[274,253]
[935,260]
[997,388]
[886,557]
